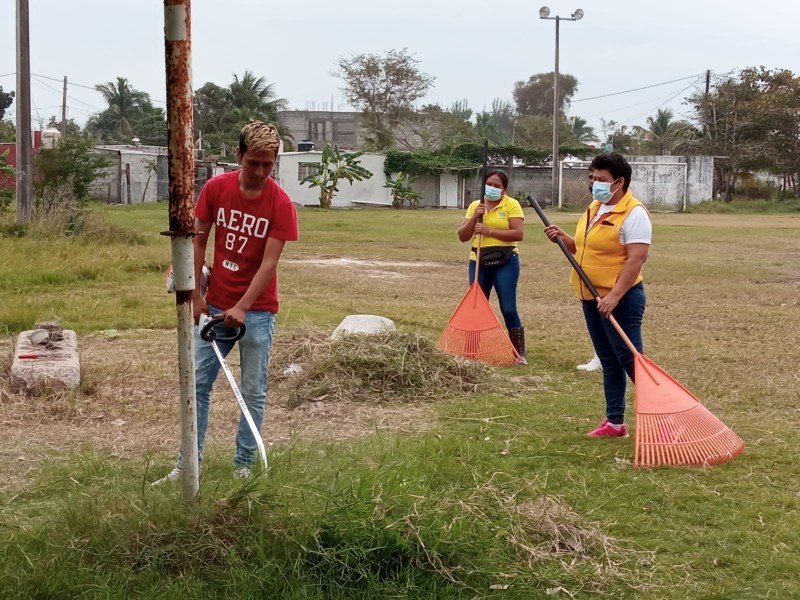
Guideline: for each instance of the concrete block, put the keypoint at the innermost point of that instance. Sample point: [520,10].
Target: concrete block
[366,324]
[54,366]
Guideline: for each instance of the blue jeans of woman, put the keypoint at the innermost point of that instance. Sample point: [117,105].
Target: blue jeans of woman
[504,280]
[254,350]
[616,358]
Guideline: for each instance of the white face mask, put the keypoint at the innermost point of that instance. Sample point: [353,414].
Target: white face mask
[492,193]
[601,191]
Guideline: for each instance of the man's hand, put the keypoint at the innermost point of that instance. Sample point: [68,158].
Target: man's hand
[199,307]
[234,317]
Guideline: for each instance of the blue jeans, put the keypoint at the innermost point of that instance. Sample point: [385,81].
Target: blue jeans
[616,358]
[504,280]
[254,350]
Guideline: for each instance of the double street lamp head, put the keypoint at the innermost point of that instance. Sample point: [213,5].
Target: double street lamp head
[544,13]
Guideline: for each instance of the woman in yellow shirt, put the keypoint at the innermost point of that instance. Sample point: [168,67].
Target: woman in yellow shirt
[502,228]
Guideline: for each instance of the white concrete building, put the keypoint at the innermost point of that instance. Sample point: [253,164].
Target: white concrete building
[437,192]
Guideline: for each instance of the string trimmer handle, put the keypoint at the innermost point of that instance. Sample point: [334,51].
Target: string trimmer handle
[209,335]
[563,247]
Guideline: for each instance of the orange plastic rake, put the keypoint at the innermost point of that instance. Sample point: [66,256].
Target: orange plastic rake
[672,427]
[474,331]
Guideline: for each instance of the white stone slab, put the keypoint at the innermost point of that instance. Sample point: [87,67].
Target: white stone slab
[366,324]
[55,368]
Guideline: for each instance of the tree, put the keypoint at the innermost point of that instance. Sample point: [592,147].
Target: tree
[72,127]
[334,167]
[775,117]
[150,125]
[662,132]
[211,103]
[6,98]
[432,127]
[727,125]
[384,88]
[624,139]
[580,131]
[4,168]
[402,191]
[8,131]
[125,105]
[255,95]
[220,113]
[70,165]
[535,97]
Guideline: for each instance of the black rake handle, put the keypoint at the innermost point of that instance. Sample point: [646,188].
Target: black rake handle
[564,249]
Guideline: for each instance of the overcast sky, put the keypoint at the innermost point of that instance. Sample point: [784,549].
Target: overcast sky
[476,50]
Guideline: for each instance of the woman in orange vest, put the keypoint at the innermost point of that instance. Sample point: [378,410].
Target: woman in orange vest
[611,244]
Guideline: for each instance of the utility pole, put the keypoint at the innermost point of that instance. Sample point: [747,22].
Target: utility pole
[180,128]
[556,119]
[23,99]
[544,13]
[708,81]
[64,109]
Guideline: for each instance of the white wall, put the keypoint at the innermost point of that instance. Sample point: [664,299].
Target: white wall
[362,193]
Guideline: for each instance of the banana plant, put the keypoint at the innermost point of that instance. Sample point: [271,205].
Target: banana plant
[334,167]
[402,191]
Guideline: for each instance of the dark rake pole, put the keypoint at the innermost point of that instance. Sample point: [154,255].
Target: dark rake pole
[180,142]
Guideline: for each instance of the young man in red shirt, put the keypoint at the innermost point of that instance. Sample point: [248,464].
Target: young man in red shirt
[253,218]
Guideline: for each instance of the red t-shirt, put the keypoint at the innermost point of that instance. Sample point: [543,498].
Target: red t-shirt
[242,228]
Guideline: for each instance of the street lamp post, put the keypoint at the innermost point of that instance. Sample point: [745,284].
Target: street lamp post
[544,13]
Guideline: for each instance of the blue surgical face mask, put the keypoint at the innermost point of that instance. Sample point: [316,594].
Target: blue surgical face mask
[492,193]
[601,190]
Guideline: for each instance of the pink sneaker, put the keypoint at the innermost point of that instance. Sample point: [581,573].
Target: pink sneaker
[605,429]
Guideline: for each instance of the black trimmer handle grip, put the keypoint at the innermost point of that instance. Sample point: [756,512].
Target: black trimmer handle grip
[209,335]
[581,273]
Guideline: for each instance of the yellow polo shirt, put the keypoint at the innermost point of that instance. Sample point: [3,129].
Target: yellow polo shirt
[497,218]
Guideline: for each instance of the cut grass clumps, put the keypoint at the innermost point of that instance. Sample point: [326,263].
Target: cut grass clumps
[394,366]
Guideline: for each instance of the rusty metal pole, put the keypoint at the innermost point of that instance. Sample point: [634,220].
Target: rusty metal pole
[180,140]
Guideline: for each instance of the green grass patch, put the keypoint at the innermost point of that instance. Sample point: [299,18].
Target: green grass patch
[496,495]
[776,206]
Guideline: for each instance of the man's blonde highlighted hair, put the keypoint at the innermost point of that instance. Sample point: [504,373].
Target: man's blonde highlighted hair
[259,137]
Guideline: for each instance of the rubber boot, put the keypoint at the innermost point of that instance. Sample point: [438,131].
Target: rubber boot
[517,337]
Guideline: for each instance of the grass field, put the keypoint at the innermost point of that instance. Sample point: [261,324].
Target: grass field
[488,495]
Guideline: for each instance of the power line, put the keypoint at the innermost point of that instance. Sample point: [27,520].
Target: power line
[88,87]
[80,85]
[647,87]
[621,108]
[659,104]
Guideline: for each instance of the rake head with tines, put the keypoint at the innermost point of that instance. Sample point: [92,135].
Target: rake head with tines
[672,427]
[474,332]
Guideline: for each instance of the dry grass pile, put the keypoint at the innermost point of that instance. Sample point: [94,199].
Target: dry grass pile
[394,366]
[546,527]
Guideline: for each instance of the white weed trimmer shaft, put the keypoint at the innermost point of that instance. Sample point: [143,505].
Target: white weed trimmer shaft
[207,332]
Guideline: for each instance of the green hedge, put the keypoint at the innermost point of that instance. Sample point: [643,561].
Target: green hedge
[467,157]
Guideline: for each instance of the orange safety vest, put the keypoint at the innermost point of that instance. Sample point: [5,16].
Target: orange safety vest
[598,250]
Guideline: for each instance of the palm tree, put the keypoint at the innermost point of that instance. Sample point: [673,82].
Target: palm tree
[125,105]
[256,95]
[662,132]
[582,131]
